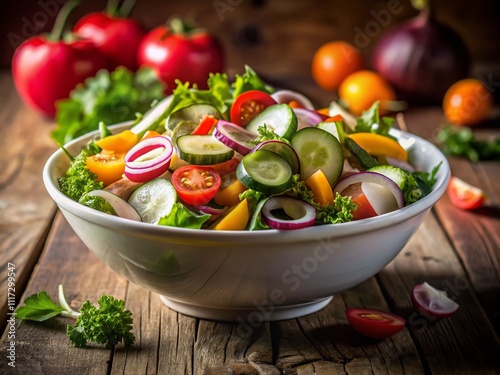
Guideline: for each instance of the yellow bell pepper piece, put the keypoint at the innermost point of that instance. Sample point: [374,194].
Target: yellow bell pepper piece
[376,144]
[119,143]
[236,219]
[320,187]
[229,196]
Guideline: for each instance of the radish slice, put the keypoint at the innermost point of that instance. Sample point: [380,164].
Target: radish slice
[377,189]
[433,302]
[148,159]
[302,214]
[286,96]
[234,136]
[307,117]
[282,149]
[121,207]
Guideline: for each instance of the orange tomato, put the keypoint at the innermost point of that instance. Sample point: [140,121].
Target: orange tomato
[467,102]
[361,89]
[333,62]
[107,165]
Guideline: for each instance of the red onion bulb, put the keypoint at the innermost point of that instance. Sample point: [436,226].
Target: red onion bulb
[421,58]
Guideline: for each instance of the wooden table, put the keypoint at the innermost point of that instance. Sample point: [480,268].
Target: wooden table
[454,250]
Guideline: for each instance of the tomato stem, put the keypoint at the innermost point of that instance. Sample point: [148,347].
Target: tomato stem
[61,20]
[126,8]
[179,26]
[112,7]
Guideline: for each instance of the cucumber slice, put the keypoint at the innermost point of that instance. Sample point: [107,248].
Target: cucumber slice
[192,113]
[282,149]
[264,171]
[153,117]
[153,200]
[202,150]
[398,175]
[279,118]
[364,158]
[318,149]
[330,127]
[183,128]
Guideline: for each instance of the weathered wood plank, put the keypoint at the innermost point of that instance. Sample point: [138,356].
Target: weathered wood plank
[446,346]
[44,348]
[26,209]
[325,340]
[475,235]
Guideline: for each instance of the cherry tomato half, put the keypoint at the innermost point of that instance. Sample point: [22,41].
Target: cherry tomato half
[196,185]
[464,195]
[374,323]
[248,105]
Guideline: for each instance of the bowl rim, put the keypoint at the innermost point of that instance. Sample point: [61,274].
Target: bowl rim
[270,236]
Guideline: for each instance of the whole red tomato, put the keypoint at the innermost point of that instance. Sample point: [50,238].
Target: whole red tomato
[175,53]
[117,38]
[46,69]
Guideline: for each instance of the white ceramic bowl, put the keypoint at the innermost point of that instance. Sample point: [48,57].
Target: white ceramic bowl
[250,276]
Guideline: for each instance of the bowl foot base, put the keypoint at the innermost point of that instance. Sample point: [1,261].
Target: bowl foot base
[252,315]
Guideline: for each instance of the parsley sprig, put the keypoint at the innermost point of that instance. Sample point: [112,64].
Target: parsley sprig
[107,324]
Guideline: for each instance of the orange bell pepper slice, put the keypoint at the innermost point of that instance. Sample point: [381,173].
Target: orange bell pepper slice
[376,144]
[236,219]
[230,195]
[119,143]
[320,187]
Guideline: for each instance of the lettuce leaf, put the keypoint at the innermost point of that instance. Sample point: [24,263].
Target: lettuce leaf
[181,217]
[109,97]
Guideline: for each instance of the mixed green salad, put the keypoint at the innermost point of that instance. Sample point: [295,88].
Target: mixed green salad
[244,156]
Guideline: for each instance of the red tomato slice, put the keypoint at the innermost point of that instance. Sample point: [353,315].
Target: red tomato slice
[248,105]
[374,323]
[196,185]
[464,195]
[364,208]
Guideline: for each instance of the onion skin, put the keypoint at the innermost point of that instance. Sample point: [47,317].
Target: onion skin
[421,58]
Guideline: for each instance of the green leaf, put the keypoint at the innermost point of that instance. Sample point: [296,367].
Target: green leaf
[108,324]
[109,97]
[249,81]
[370,122]
[38,307]
[181,217]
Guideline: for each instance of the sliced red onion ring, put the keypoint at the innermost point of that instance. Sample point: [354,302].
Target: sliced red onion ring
[378,189]
[432,302]
[286,96]
[121,207]
[303,214]
[308,117]
[148,159]
[211,210]
[234,136]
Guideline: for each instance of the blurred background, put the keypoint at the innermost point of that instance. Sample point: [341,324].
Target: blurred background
[278,37]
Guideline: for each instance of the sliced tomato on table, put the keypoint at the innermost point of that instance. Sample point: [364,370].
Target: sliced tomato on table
[464,195]
[196,185]
[374,323]
[248,105]
[109,166]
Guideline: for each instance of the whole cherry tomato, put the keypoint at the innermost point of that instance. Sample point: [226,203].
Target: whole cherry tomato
[333,62]
[46,69]
[467,102]
[363,88]
[115,36]
[179,52]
